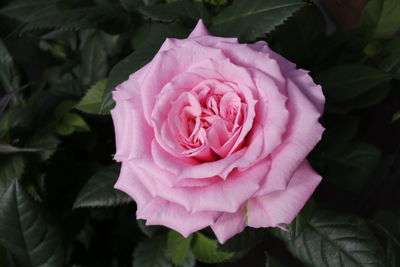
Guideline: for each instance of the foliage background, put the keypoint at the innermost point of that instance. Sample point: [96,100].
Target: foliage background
[59,61]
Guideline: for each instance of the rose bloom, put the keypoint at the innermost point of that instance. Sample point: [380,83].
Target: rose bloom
[215,133]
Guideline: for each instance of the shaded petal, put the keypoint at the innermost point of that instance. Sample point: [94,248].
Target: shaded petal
[302,134]
[199,30]
[226,195]
[282,206]
[128,183]
[162,212]
[229,224]
[128,118]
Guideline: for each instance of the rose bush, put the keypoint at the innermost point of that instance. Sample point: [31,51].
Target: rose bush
[215,133]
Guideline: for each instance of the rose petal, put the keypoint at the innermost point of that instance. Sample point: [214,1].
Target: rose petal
[168,64]
[282,206]
[162,212]
[127,118]
[199,30]
[225,196]
[128,183]
[303,133]
[229,224]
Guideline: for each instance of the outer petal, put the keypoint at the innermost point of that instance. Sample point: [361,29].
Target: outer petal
[229,224]
[199,30]
[282,206]
[128,183]
[127,118]
[302,134]
[162,212]
[225,196]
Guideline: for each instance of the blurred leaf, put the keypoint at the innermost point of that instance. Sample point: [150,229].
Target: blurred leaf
[45,142]
[142,55]
[396,116]
[250,20]
[390,51]
[152,253]
[349,165]
[178,247]
[9,149]
[346,82]
[12,118]
[149,230]
[177,10]
[10,168]
[370,98]
[91,102]
[390,243]
[382,17]
[206,250]
[26,231]
[94,59]
[132,5]
[245,240]
[24,9]
[45,14]
[272,262]
[71,122]
[99,190]
[9,77]
[300,37]
[2,256]
[339,129]
[334,239]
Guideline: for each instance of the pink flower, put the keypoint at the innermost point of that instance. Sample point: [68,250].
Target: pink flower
[215,133]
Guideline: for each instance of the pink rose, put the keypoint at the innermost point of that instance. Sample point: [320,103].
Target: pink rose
[215,133]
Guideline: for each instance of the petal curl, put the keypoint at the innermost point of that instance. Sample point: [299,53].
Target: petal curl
[229,224]
[282,206]
[162,212]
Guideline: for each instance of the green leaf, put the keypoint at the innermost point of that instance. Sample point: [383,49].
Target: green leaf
[390,51]
[24,9]
[71,122]
[334,239]
[396,116]
[9,77]
[94,59]
[91,102]
[99,190]
[156,34]
[206,250]
[370,98]
[10,168]
[26,231]
[340,129]
[152,253]
[131,5]
[382,18]
[250,20]
[191,11]
[349,165]
[149,230]
[45,143]
[390,243]
[178,247]
[347,82]
[10,149]
[272,262]
[243,241]
[300,38]
[2,256]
